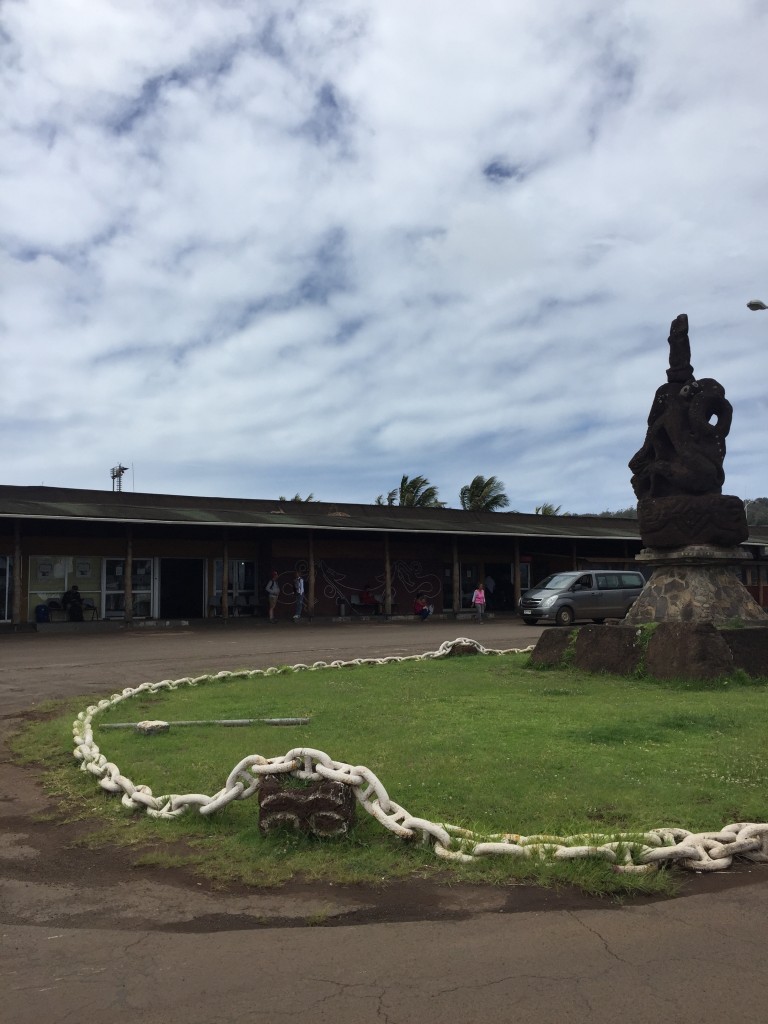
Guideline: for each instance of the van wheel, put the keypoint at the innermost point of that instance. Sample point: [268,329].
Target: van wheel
[564,616]
[599,621]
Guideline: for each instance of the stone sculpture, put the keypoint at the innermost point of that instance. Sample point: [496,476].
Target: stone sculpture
[678,473]
[690,529]
[694,602]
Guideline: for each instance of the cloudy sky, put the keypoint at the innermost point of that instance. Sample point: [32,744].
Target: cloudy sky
[249,249]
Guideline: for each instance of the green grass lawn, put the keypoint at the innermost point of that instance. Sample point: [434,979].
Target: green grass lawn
[483,742]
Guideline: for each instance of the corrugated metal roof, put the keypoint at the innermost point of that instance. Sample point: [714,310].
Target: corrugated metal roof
[131,507]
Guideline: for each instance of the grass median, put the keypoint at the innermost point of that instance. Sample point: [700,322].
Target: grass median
[486,743]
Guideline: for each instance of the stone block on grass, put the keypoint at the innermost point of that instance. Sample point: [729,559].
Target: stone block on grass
[612,649]
[550,650]
[749,649]
[688,650]
[323,809]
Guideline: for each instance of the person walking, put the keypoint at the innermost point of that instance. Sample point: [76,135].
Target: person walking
[478,600]
[273,592]
[298,590]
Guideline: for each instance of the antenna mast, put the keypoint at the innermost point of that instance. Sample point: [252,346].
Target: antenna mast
[117,476]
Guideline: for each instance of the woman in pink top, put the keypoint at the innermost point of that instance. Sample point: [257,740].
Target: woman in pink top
[478,600]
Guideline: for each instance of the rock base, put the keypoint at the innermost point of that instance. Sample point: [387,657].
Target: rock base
[695,583]
[671,650]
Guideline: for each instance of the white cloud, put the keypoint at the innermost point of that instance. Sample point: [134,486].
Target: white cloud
[314,246]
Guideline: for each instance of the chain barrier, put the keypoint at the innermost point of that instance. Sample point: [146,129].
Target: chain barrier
[629,852]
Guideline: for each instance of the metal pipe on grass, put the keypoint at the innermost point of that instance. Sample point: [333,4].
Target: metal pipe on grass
[215,721]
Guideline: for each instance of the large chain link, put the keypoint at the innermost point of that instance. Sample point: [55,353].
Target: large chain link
[628,852]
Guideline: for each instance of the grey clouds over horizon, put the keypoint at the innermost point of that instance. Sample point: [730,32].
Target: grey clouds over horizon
[250,250]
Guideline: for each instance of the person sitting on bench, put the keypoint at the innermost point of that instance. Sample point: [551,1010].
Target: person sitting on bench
[72,603]
[421,608]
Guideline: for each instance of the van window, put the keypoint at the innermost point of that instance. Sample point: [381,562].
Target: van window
[632,579]
[607,581]
[558,581]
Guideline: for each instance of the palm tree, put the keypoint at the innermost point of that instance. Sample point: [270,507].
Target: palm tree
[483,495]
[297,497]
[390,500]
[547,509]
[413,491]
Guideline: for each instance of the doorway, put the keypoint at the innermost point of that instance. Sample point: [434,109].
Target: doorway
[182,588]
[503,597]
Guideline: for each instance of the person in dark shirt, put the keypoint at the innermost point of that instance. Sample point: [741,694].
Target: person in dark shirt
[72,603]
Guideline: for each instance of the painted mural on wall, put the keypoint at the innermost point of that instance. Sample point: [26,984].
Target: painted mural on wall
[344,581]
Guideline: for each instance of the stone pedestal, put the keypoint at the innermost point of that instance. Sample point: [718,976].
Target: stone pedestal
[695,583]
[673,650]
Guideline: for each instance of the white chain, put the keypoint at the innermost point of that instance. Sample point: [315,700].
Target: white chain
[628,852]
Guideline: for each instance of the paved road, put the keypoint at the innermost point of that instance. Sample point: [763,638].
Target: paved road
[85,936]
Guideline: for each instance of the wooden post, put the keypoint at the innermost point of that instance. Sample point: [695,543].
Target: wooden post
[387,578]
[16,603]
[456,578]
[311,580]
[225,580]
[128,576]
[518,588]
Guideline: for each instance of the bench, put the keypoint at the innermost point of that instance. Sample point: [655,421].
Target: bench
[358,608]
[367,610]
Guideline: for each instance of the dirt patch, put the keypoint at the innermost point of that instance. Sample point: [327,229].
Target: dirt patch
[48,875]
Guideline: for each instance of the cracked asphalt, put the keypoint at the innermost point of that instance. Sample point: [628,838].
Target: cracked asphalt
[85,935]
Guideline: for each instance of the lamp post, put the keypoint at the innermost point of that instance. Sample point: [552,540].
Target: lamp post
[756,304]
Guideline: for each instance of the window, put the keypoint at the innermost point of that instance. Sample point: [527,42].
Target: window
[242,577]
[114,586]
[241,585]
[632,579]
[607,581]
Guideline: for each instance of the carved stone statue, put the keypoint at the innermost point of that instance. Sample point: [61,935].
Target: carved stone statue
[678,473]
[691,534]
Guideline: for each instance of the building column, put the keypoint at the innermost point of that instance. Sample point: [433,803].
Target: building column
[17,577]
[456,578]
[225,579]
[518,588]
[387,578]
[311,572]
[128,576]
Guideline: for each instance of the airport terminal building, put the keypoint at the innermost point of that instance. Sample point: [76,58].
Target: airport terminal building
[168,557]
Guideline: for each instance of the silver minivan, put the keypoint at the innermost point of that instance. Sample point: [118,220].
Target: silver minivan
[566,596]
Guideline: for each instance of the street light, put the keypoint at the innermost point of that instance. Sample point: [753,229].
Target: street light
[756,304]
